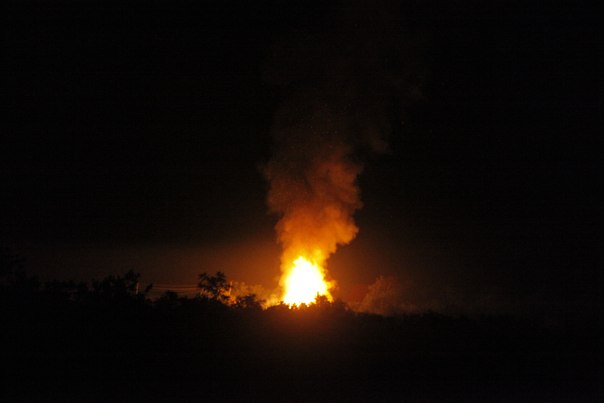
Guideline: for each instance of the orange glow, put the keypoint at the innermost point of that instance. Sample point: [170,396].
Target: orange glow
[303,282]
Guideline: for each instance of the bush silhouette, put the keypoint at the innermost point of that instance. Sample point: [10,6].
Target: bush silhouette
[214,288]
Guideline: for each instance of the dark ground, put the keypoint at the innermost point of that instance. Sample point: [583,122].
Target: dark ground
[69,342]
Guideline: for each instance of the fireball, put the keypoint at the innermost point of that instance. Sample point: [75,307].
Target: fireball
[303,282]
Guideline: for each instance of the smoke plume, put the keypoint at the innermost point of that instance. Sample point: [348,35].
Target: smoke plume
[342,90]
[385,297]
[313,187]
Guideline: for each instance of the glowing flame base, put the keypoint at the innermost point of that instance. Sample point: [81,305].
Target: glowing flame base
[303,282]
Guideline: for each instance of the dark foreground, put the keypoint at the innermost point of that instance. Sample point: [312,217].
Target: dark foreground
[109,344]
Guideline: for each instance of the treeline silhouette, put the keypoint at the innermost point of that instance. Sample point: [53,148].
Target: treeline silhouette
[107,341]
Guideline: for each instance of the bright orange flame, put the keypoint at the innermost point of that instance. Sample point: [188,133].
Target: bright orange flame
[303,282]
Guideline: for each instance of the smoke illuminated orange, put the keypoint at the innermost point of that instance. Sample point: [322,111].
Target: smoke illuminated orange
[313,189]
[303,282]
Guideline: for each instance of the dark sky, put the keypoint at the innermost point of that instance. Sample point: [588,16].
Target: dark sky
[134,137]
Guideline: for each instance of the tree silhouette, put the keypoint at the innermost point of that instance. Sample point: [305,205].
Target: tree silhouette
[66,290]
[248,302]
[168,301]
[214,288]
[120,288]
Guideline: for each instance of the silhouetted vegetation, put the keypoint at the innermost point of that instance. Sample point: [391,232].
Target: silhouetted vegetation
[108,341]
[215,288]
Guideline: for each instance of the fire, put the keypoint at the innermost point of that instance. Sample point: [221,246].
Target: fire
[304,281]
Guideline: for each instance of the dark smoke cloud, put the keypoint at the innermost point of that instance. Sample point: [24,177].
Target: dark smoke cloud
[345,82]
[386,296]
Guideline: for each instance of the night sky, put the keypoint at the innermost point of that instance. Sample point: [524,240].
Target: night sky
[135,137]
